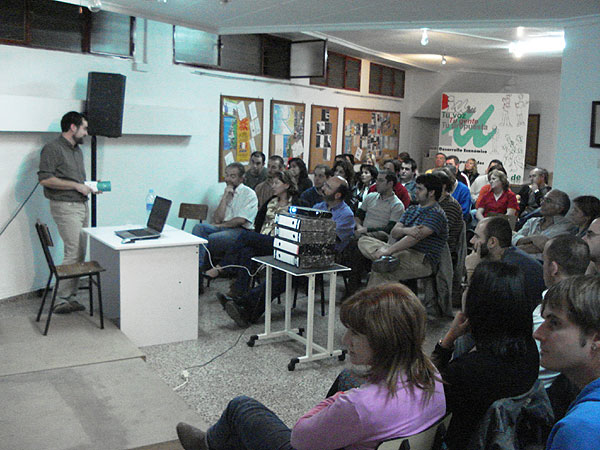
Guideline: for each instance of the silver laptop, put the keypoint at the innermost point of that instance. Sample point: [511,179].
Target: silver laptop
[156,222]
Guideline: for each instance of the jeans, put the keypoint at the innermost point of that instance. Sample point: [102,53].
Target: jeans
[70,218]
[248,245]
[248,424]
[219,240]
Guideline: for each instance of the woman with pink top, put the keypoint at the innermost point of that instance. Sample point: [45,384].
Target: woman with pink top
[403,395]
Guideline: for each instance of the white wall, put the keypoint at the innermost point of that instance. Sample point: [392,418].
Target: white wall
[578,164]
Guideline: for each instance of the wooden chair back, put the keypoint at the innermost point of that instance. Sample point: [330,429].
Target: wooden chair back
[46,241]
[194,211]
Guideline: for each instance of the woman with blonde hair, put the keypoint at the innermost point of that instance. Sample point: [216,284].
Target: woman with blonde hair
[403,394]
[499,199]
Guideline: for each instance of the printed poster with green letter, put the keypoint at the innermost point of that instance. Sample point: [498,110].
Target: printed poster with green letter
[485,127]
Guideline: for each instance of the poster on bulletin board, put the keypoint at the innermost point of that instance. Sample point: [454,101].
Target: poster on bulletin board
[371,133]
[287,129]
[323,135]
[241,130]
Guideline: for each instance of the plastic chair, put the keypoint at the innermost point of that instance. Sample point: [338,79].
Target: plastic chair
[195,211]
[88,269]
[430,439]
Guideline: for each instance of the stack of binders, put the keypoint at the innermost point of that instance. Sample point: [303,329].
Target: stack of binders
[304,241]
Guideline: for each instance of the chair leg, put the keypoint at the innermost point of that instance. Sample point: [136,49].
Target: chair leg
[91,295]
[322,285]
[51,306]
[296,286]
[44,298]
[100,301]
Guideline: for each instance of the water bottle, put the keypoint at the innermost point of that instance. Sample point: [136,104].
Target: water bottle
[150,201]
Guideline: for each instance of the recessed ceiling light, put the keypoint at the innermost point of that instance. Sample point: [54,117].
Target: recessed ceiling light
[444,61]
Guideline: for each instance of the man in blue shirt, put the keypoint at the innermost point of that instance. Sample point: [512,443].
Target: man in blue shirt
[570,344]
[314,195]
[460,192]
[249,307]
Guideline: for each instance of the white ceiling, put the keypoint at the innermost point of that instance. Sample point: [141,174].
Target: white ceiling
[473,34]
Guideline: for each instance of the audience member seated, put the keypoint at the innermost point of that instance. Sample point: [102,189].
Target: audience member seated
[235,213]
[440,161]
[461,177]
[408,173]
[491,242]
[257,172]
[482,180]
[403,395]
[259,242]
[394,166]
[564,256]
[366,178]
[345,157]
[263,190]
[531,195]
[343,168]
[500,199]
[536,231]
[299,175]
[452,210]
[313,195]
[570,343]
[585,209]
[470,170]
[592,239]
[504,362]
[460,192]
[376,217]
[418,238]
[250,306]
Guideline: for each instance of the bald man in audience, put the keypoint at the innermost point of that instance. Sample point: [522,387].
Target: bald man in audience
[592,239]
[536,231]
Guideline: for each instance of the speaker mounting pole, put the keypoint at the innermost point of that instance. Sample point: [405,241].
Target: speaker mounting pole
[94,155]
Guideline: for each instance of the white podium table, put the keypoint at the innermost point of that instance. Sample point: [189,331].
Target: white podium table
[296,333]
[150,285]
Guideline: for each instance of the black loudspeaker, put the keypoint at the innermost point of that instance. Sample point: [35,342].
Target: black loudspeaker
[105,98]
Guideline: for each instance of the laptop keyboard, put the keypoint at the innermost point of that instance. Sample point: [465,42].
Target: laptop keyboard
[142,232]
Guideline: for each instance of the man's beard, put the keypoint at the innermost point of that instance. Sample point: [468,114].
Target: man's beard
[484,251]
[78,140]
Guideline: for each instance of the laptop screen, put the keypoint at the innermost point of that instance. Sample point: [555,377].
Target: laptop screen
[159,213]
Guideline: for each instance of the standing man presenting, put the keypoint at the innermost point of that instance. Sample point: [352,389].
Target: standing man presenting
[62,174]
[236,212]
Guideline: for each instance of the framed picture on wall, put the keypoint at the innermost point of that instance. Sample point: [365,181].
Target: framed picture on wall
[595,128]
[533,137]
[240,130]
[323,135]
[287,129]
[371,133]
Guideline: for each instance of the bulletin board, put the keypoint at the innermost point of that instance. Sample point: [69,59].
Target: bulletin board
[241,130]
[371,132]
[287,129]
[323,135]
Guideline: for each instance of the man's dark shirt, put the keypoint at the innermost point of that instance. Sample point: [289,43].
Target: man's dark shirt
[61,160]
[532,271]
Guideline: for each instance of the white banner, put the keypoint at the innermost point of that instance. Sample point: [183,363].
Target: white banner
[485,127]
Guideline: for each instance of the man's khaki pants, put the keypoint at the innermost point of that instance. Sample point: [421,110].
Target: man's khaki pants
[412,264]
[70,218]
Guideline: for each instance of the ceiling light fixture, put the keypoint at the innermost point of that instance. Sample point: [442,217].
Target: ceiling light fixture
[95,5]
[550,44]
[444,61]
[424,37]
